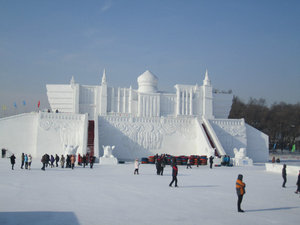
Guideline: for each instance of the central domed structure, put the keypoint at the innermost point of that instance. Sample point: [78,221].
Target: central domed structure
[147,82]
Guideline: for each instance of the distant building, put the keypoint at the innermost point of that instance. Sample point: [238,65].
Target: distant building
[190,121]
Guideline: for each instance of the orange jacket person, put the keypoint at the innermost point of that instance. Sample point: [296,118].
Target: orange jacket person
[240,190]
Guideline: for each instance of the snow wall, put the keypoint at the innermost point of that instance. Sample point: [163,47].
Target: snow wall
[257,144]
[235,133]
[40,133]
[136,137]
[18,133]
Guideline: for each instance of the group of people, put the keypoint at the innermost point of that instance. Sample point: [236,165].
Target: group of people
[284,176]
[160,163]
[26,160]
[68,161]
[53,161]
[225,160]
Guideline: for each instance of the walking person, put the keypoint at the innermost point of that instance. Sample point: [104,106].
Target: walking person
[26,161]
[162,166]
[44,161]
[158,165]
[188,164]
[284,175]
[240,190]
[56,160]
[84,160]
[73,159]
[29,161]
[211,161]
[47,159]
[92,160]
[136,167]
[12,161]
[52,161]
[174,174]
[62,161]
[22,160]
[298,184]
[68,161]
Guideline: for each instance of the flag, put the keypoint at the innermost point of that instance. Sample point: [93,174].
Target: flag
[39,103]
[294,148]
[24,102]
[15,104]
[4,107]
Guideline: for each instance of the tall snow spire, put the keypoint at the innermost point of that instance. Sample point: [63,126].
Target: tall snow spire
[206,80]
[104,77]
[72,82]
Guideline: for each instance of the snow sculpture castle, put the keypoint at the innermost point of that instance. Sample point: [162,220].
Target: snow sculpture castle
[143,122]
[147,121]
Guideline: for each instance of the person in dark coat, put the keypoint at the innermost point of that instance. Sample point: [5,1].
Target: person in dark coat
[284,175]
[158,165]
[22,160]
[92,160]
[211,161]
[174,174]
[56,160]
[47,158]
[44,161]
[240,191]
[188,163]
[162,166]
[68,161]
[298,184]
[12,161]
[84,161]
[52,161]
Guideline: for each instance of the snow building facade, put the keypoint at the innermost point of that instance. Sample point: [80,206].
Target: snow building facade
[141,122]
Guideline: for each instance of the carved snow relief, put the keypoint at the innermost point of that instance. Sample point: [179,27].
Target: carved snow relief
[149,133]
[231,133]
[69,128]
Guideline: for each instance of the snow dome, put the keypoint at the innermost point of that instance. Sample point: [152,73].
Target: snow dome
[147,82]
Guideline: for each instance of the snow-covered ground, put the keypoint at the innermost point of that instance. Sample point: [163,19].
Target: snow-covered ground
[113,195]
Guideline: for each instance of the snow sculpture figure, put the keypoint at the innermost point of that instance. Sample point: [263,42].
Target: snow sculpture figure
[108,151]
[240,158]
[108,158]
[239,154]
[70,149]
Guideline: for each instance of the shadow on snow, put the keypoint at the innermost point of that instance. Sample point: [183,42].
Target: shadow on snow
[38,218]
[270,209]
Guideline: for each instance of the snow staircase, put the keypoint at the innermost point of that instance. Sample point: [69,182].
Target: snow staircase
[212,137]
[91,135]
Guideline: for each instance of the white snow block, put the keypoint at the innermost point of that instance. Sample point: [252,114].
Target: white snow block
[108,161]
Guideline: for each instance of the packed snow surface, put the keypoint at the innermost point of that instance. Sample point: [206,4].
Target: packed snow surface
[113,195]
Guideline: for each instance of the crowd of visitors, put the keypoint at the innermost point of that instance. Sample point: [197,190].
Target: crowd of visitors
[26,160]
[68,161]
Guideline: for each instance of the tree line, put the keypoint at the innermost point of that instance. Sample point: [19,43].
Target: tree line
[281,121]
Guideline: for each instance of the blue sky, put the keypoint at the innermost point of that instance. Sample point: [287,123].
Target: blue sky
[251,47]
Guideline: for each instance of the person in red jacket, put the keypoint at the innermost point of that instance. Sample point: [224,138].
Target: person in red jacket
[240,190]
[174,174]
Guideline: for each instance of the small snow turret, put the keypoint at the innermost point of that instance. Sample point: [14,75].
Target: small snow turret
[206,80]
[104,77]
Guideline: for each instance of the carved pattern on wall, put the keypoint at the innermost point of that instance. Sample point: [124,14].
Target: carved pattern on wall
[69,128]
[149,133]
[235,127]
